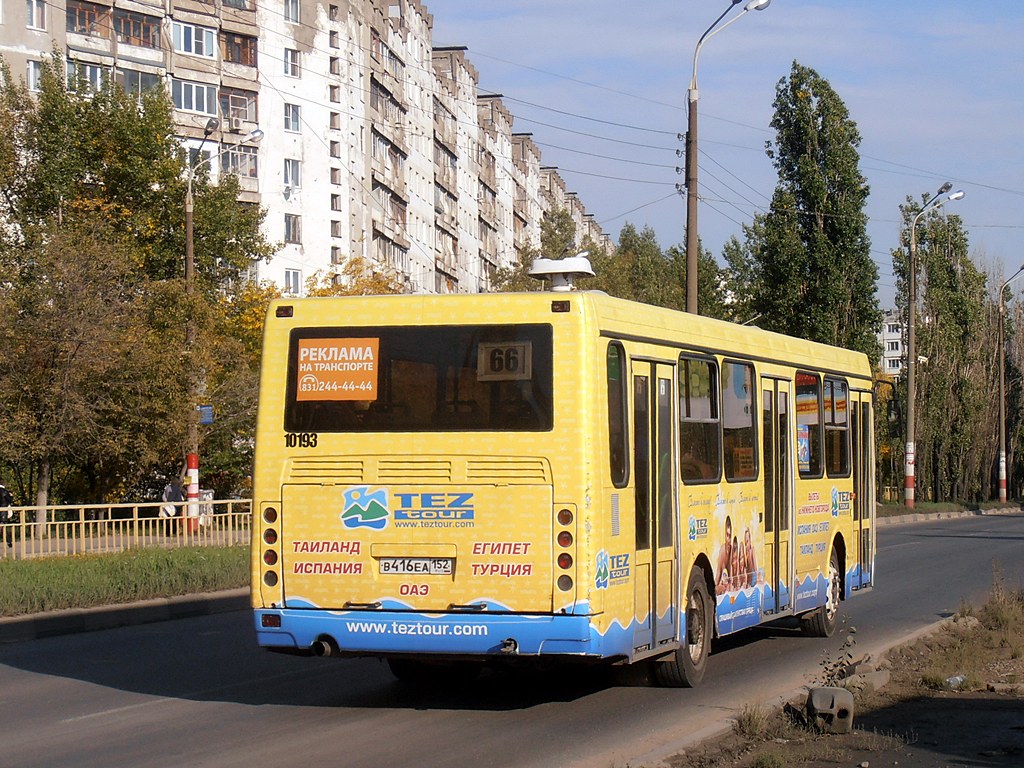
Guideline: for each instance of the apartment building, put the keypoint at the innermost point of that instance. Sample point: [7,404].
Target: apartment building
[375,145]
[891,340]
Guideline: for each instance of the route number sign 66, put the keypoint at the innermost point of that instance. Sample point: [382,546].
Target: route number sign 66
[504,361]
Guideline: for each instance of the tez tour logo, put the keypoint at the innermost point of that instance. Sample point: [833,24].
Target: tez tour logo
[365,508]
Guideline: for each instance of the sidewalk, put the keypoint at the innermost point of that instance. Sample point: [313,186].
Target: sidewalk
[14,629]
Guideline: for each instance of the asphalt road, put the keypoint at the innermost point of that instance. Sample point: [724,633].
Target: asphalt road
[197,692]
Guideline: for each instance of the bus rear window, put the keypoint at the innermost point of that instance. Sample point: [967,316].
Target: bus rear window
[420,379]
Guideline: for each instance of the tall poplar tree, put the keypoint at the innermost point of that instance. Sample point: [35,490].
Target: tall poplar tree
[810,253]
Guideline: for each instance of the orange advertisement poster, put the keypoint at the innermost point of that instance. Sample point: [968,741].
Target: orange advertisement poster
[337,369]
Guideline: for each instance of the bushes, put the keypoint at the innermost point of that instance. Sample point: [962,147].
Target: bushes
[47,584]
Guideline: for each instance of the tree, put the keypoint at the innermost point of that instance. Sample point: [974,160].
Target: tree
[809,255]
[956,388]
[91,242]
[557,238]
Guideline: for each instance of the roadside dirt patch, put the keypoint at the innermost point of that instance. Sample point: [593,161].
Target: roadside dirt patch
[954,698]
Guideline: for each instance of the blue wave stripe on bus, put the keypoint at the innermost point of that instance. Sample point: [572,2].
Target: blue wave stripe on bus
[394,630]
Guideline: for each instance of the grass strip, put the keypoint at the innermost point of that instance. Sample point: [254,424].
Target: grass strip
[84,581]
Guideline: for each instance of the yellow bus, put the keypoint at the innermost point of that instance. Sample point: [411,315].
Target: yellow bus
[447,480]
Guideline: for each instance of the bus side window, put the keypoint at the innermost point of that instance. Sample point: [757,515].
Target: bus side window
[618,436]
[837,423]
[700,428]
[808,424]
[739,418]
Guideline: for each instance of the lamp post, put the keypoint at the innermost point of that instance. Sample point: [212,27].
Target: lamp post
[1002,387]
[938,199]
[195,377]
[691,152]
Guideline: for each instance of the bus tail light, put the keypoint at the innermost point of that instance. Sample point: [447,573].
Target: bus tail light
[271,557]
[565,540]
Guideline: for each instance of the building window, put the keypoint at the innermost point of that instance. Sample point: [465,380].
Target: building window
[892,346]
[336,177]
[334,92]
[336,229]
[335,148]
[239,159]
[292,281]
[291,63]
[894,363]
[334,65]
[194,97]
[337,255]
[241,5]
[894,328]
[292,173]
[291,11]
[33,74]
[91,75]
[335,202]
[136,82]
[292,118]
[334,39]
[332,12]
[188,38]
[292,230]
[36,14]
[335,121]
[238,49]
[86,18]
[236,104]
[136,29]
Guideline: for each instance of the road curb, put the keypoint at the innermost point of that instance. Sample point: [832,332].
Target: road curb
[924,517]
[16,629]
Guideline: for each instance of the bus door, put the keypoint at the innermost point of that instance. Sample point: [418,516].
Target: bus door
[778,494]
[863,489]
[656,559]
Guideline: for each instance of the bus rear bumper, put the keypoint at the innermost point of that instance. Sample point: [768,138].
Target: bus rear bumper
[385,633]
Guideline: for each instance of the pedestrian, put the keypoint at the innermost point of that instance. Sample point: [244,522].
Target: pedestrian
[172,497]
[6,514]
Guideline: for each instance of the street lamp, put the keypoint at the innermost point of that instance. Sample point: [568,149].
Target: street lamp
[1002,385]
[194,383]
[691,152]
[938,199]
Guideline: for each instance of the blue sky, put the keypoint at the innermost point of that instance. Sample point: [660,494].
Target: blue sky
[936,89]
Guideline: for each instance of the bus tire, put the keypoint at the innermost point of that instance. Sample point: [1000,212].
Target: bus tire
[686,666]
[823,620]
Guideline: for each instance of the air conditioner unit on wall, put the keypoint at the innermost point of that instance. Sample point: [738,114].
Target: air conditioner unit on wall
[235,123]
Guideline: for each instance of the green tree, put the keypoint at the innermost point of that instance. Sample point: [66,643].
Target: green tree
[813,275]
[956,385]
[557,237]
[91,242]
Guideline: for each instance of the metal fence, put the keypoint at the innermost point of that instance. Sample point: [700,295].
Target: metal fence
[81,529]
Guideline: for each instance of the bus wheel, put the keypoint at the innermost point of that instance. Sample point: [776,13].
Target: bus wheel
[823,620]
[685,667]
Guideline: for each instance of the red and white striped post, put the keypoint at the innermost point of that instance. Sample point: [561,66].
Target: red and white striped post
[192,493]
